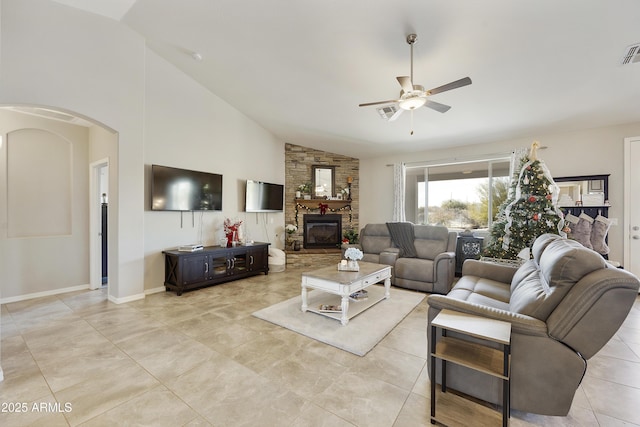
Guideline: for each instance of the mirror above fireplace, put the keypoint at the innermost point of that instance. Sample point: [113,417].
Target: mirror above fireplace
[323,181]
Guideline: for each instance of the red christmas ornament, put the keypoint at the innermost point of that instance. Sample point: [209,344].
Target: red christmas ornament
[549,196]
[536,217]
[532,199]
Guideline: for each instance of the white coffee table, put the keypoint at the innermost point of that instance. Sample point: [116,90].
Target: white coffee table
[344,283]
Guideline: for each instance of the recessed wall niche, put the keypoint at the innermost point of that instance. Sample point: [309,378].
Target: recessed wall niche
[39,174]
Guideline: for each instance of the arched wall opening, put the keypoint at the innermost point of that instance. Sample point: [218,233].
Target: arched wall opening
[48,232]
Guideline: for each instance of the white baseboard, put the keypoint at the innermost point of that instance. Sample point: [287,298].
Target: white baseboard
[79,288]
[135,297]
[154,290]
[43,294]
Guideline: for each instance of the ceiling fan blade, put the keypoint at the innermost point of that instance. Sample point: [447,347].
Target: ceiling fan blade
[378,103]
[437,106]
[406,83]
[453,85]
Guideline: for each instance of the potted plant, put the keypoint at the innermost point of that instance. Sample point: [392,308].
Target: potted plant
[350,235]
[305,189]
[290,229]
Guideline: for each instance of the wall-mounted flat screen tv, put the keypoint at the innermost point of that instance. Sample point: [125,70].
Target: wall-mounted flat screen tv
[264,197]
[174,189]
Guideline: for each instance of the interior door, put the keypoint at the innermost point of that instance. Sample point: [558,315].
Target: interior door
[632,205]
[98,180]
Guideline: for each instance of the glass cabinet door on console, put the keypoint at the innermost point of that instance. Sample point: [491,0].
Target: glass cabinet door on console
[219,263]
[238,262]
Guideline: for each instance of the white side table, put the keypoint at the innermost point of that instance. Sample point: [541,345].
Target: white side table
[475,356]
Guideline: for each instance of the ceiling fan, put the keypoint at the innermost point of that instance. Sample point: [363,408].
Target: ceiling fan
[414,96]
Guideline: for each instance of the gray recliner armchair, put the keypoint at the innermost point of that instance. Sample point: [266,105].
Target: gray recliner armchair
[431,270]
[564,305]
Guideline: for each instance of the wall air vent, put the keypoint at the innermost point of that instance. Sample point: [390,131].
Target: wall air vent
[631,54]
[387,111]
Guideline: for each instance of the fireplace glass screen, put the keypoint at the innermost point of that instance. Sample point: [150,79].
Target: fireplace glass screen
[322,231]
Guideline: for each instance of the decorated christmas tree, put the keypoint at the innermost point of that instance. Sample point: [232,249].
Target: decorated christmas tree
[530,210]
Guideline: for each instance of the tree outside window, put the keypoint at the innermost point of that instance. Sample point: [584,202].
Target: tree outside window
[460,196]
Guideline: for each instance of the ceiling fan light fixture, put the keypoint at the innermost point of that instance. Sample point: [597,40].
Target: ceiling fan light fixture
[413,96]
[412,103]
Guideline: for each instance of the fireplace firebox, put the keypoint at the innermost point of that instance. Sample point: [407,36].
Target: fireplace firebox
[322,231]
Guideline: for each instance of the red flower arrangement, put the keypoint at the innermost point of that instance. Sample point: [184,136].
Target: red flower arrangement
[231,229]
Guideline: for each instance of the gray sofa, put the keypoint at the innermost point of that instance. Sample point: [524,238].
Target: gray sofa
[431,270]
[564,305]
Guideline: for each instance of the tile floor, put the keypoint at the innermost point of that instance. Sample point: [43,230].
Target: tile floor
[202,360]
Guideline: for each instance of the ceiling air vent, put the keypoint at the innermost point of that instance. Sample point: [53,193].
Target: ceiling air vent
[631,54]
[387,112]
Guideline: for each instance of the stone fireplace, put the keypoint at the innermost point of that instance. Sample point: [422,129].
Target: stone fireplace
[322,231]
[299,168]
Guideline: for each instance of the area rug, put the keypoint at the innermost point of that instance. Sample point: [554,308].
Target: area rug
[360,335]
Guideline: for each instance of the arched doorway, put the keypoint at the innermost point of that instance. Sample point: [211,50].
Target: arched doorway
[92,143]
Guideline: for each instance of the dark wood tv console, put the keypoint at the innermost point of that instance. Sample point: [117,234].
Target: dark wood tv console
[184,271]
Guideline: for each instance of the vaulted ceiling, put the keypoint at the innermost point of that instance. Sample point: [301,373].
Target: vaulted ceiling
[300,68]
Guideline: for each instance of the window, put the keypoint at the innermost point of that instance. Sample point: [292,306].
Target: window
[457,195]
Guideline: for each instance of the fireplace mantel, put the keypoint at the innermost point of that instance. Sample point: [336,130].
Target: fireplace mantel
[335,206]
[316,202]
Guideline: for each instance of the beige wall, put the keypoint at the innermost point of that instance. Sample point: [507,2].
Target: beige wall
[93,66]
[90,65]
[46,217]
[582,152]
[188,127]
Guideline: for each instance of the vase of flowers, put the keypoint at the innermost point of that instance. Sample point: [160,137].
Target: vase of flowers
[353,255]
[290,229]
[231,231]
[305,189]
